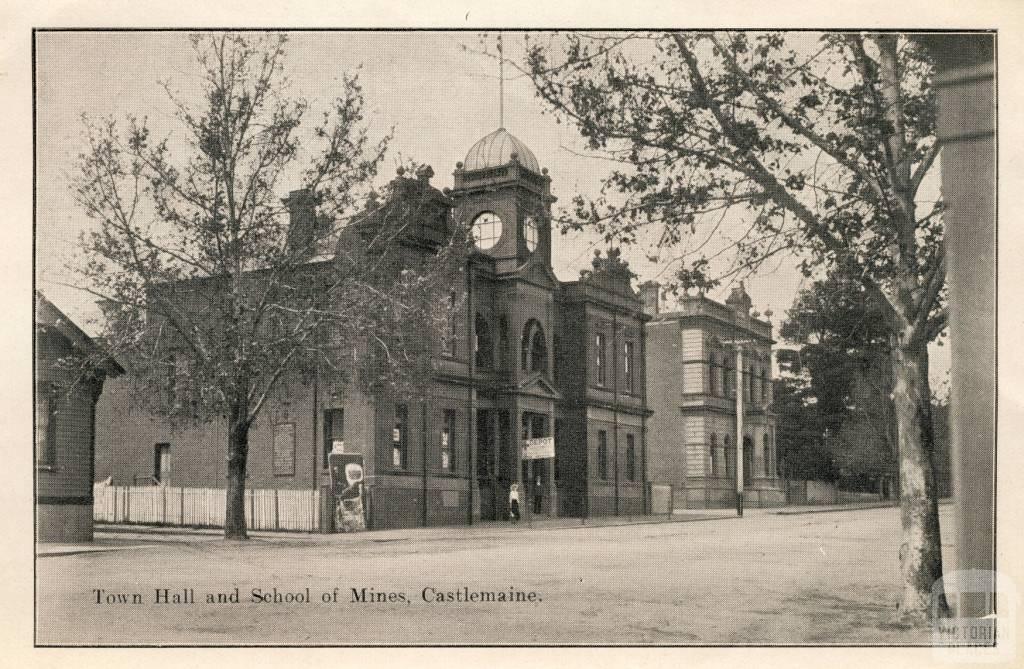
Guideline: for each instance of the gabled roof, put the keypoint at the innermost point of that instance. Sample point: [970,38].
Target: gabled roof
[48,318]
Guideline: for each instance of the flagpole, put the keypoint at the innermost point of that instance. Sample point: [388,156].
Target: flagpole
[501,83]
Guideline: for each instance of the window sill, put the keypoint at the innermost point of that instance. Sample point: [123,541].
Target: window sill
[47,468]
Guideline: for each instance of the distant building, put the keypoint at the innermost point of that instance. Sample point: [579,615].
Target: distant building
[691,387]
[531,358]
[65,406]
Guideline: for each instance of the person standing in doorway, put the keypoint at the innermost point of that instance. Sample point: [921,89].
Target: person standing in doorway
[513,502]
[538,495]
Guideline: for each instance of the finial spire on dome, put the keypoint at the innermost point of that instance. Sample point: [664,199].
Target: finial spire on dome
[501,83]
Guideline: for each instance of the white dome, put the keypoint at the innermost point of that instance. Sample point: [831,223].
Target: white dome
[496,149]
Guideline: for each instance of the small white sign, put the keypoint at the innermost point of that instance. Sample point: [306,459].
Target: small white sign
[538,448]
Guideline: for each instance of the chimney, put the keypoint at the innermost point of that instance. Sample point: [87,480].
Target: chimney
[301,221]
[649,293]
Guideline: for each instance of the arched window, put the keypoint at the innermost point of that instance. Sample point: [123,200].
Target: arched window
[713,375]
[713,449]
[768,469]
[764,386]
[534,348]
[727,453]
[727,385]
[483,344]
[538,351]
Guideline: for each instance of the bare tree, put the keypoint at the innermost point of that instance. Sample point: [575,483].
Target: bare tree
[826,147]
[213,300]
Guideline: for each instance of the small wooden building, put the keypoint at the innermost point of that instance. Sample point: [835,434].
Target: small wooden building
[65,412]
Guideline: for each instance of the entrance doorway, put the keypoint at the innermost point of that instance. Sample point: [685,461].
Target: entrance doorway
[495,463]
[535,472]
[162,464]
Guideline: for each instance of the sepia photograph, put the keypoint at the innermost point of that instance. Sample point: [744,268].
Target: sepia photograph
[516,338]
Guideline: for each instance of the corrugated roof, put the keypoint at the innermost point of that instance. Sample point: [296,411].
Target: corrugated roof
[496,149]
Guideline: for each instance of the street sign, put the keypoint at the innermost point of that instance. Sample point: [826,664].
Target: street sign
[538,448]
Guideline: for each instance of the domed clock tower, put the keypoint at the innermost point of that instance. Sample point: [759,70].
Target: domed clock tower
[501,190]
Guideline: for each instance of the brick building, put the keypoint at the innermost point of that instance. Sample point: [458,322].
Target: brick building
[65,405]
[531,357]
[691,385]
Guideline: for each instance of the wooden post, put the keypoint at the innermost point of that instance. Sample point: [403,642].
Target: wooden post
[739,430]
[277,512]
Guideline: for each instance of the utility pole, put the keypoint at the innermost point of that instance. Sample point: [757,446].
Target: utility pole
[739,429]
[738,389]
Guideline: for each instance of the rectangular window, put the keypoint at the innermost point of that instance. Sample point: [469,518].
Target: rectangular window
[448,441]
[399,439]
[334,432]
[630,458]
[449,336]
[712,376]
[559,432]
[284,449]
[46,430]
[599,359]
[162,464]
[602,455]
[627,362]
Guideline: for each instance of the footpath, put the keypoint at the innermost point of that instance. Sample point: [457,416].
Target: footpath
[113,537]
[121,537]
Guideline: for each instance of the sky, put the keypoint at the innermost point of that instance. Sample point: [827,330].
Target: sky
[437,90]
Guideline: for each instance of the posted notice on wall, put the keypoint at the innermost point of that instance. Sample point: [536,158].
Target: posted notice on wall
[538,448]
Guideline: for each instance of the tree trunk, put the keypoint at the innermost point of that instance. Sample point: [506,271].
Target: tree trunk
[921,550]
[238,452]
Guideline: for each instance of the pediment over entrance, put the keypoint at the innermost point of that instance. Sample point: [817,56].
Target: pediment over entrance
[537,385]
[538,273]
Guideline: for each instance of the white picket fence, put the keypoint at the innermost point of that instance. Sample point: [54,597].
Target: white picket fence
[265,509]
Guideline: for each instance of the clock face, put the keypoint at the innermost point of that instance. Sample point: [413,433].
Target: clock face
[531,233]
[486,230]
